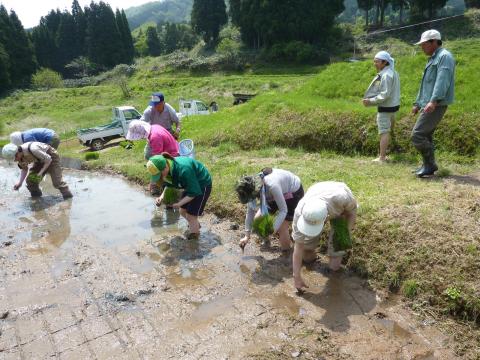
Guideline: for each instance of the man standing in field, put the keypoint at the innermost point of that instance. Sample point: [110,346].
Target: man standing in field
[161,113]
[435,94]
[384,92]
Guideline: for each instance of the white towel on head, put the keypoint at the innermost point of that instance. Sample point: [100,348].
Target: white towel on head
[383,55]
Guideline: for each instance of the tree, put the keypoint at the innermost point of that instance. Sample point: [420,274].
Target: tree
[66,40]
[472,3]
[17,45]
[153,43]
[207,18]
[4,69]
[127,39]
[80,27]
[425,9]
[400,5]
[366,5]
[103,40]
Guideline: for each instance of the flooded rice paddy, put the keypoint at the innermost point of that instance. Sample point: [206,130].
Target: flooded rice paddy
[109,275]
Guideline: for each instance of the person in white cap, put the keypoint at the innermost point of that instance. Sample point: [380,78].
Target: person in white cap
[384,92]
[43,159]
[435,94]
[322,201]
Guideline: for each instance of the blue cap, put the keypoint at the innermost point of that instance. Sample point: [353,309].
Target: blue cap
[156,98]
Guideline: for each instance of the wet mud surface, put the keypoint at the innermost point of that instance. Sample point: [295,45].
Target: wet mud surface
[108,275]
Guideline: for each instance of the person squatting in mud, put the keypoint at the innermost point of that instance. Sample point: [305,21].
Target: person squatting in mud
[44,159]
[183,173]
[277,189]
[328,199]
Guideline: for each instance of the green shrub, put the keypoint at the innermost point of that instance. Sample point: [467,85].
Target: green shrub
[92,156]
[126,144]
[3,143]
[263,225]
[45,79]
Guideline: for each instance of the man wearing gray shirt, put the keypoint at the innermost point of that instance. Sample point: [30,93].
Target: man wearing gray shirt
[161,113]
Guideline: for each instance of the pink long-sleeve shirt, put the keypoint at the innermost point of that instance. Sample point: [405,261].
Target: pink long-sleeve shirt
[161,140]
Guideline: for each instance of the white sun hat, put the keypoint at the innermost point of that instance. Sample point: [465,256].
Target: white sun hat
[314,213]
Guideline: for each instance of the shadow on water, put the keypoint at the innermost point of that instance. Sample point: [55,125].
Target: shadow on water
[179,248]
[337,299]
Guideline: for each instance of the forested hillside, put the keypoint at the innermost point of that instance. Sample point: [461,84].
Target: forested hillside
[174,11]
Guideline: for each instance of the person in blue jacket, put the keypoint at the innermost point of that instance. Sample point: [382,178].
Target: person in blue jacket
[43,135]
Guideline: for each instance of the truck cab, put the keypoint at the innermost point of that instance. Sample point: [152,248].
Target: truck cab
[193,107]
[97,137]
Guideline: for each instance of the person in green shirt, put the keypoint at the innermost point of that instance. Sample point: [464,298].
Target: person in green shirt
[183,173]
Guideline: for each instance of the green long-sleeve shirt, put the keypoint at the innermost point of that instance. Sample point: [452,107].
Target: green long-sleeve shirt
[438,81]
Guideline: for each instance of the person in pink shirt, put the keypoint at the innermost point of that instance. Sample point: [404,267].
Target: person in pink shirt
[159,139]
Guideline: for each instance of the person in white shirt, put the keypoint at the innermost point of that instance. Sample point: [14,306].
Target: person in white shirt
[328,199]
[384,92]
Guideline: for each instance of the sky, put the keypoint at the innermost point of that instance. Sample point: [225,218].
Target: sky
[30,11]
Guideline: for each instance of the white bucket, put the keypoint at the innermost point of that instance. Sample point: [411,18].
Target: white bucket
[186,148]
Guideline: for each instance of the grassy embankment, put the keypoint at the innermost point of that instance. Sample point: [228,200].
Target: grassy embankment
[416,236]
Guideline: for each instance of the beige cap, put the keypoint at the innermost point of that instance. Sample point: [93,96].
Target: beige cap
[429,35]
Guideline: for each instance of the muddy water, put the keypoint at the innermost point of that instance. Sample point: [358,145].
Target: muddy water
[109,275]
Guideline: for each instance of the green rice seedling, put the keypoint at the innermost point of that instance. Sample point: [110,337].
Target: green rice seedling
[171,196]
[263,225]
[34,178]
[126,144]
[91,155]
[341,235]
[410,288]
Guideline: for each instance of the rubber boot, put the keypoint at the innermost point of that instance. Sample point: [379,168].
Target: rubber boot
[36,193]
[66,193]
[429,166]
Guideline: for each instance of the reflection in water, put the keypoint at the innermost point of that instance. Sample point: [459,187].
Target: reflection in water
[52,218]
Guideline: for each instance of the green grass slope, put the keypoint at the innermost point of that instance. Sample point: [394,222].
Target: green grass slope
[326,113]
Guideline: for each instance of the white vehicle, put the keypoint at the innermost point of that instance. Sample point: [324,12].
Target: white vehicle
[192,107]
[97,137]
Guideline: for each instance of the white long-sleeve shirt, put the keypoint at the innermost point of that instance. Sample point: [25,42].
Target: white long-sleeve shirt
[277,185]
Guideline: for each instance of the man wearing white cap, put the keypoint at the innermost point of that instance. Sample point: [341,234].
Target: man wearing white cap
[328,199]
[435,94]
[384,92]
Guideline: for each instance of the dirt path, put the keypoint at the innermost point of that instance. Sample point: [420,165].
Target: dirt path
[109,276]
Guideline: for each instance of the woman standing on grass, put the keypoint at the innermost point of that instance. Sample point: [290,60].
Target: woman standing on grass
[183,173]
[282,191]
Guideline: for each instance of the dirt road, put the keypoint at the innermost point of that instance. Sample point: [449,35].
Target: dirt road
[107,275]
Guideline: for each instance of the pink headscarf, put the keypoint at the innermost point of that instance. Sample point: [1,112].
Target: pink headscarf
[138,129]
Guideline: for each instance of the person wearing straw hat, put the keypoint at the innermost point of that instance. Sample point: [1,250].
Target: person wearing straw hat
[384,92]
[43,135]
[161,113]
[159,139]
[188,174]
[436,93]
[322,201]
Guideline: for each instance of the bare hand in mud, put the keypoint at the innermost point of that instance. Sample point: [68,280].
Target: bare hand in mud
[175,206]
[159,201]
[243,242]
[17,186]
[299,285]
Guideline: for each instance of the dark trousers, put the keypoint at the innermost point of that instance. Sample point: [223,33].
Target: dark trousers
[422,133]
